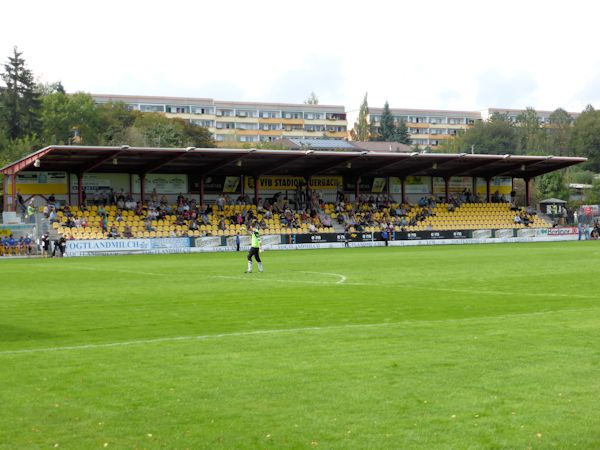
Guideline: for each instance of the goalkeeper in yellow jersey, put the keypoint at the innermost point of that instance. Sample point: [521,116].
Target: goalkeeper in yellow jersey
[254,251]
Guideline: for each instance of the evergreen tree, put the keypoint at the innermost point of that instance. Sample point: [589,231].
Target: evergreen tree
[401,133]
[387,130]
[312,99]
[362,129]
[20,103]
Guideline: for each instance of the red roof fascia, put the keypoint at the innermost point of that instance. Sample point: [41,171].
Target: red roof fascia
[22,164]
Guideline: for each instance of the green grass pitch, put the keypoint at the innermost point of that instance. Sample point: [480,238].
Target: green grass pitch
[478,346]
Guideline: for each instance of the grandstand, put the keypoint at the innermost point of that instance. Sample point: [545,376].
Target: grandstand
[88,223]
[309,171]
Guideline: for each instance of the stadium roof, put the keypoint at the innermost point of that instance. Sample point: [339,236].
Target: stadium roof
[218,161]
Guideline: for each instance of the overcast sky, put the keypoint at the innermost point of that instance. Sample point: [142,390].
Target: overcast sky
[463,55]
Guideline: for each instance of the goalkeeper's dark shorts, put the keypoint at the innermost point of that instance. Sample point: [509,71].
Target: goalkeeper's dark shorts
[254,252]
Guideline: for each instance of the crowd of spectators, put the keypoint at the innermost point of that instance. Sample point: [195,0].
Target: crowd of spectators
[11,246]
[112,213]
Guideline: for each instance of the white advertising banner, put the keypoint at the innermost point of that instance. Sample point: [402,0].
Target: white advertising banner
[81,247]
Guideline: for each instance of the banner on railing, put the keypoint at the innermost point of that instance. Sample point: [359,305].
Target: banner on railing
[101,246]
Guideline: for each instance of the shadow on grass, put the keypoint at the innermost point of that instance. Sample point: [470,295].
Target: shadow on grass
[10,333]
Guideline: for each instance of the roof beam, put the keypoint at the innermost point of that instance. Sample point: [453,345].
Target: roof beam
[334,164]
[281,163]
[226,162]
[467,168]
[17,166]
[97,162]
[163,162]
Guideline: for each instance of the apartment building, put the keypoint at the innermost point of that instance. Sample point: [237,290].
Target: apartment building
[428,127]
[512,114]
[244,121]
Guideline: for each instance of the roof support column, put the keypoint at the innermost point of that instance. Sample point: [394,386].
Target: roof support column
[5,192]
[256,190]
[79,190]
[142,188]
[357,191]
[488,197]
[527,192]
[309,203]
[473,188]
[403,189]
[447,189]
[202,192]
[13,181]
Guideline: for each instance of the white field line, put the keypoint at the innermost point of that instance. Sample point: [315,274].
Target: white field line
[203,337]
[342,278]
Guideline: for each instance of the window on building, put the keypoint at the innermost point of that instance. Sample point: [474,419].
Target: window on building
[335,116]
[292,115]
[246,126]
[203,123]
[203,110]
[152,108]
[225,112]
[247,138]
[177,109]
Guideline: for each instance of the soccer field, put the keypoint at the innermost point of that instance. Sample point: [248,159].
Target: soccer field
[475,346]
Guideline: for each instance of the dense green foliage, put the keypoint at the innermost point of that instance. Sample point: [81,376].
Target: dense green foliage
[427,347]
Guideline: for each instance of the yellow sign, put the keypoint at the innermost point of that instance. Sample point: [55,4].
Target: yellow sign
[289,183]
[44,183]
[501,184]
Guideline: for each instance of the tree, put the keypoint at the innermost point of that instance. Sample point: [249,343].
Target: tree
[401,133]
[14,149]
[20,104]
[552,185]
[387,130]
[559,132]
[594,195]
[312,99]
[362,129]
[496,136]
[530,134]
[159,131]
[69,119]
[585,137]
[197,136]
[116,121]
[50,88]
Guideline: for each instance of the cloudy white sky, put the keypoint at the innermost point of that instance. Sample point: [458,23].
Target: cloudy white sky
[463,55]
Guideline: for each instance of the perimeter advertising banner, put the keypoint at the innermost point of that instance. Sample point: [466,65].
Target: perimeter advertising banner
[44,183]
[124,246]
[289,183]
